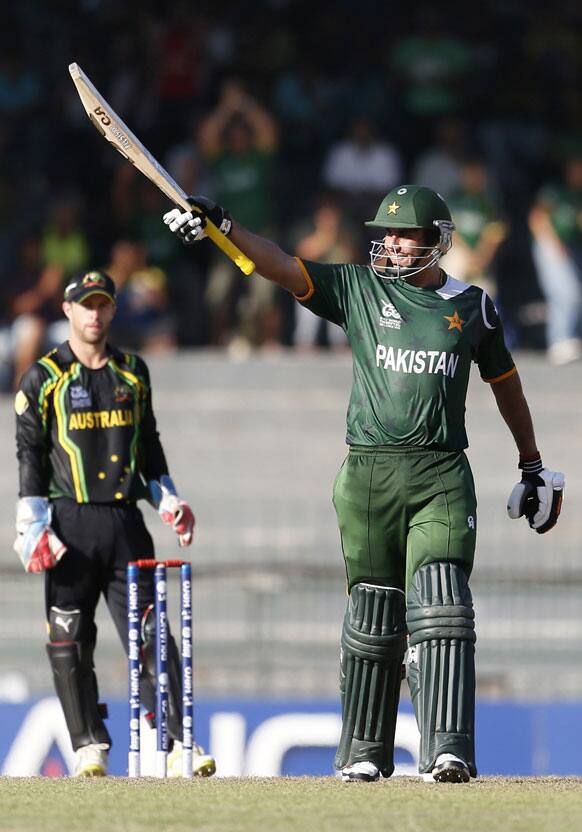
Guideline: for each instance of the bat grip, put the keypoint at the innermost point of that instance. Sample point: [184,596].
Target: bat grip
[240,259]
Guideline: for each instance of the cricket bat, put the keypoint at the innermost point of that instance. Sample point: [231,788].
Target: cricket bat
[112,128]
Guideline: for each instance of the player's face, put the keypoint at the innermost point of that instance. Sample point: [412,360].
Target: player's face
[404,245]
[90,320]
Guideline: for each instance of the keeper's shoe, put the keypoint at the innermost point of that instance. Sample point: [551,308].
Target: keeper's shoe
[203,765]
[92,760]
[448,769]
[362,772]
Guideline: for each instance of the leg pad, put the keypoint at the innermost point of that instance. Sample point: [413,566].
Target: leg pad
[373,647]
[70,653]
[441,663]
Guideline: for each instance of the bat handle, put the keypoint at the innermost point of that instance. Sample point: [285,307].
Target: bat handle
[240,259]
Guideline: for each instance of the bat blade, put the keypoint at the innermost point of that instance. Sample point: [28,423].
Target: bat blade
[115,131]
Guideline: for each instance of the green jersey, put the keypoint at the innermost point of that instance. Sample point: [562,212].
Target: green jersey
[412,351]
[565,207]
[243,184]
[472,214]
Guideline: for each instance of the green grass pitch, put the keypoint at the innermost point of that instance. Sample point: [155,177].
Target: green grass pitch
[491,804]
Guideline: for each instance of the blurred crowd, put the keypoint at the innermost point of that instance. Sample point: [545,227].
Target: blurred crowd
[297,117]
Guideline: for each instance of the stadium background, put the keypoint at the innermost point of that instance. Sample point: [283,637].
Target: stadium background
[254,437]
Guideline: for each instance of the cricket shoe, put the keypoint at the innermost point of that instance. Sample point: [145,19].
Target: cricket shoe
[203,765]
[448,769]
[92,760]
[363,772]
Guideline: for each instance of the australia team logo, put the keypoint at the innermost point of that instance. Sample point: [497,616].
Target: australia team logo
[122,393]
[94,279]
[390,317]
[79,396]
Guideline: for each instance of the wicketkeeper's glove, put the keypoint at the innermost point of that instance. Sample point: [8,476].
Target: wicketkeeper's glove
[36,543]
[539,495]
[173,511]
[189,225]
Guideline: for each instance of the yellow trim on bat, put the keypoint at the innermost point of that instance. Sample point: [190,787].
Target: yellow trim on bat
[219,239]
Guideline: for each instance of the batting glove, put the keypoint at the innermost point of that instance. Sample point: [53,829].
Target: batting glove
[173,511]
[36,543]
[190,225]
[539,496]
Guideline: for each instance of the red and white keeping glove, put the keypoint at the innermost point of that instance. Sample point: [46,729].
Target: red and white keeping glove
[173,511]
[36,543]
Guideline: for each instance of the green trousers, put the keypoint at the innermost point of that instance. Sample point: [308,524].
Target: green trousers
[401,508]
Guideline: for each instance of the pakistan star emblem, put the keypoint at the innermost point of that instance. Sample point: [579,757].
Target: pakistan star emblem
[393,208]
[455,321]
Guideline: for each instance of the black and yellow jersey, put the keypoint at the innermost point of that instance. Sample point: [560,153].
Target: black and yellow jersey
[87,434]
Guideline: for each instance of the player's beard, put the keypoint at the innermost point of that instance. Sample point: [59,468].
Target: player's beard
[95,337]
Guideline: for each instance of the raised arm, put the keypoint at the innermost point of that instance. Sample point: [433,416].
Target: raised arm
[235,103]
[270,260]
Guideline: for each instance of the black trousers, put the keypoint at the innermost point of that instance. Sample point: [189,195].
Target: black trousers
[100,540]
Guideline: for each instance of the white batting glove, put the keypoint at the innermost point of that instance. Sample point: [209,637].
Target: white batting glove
[173,511]
[189,225]
[538,496]
[36,544]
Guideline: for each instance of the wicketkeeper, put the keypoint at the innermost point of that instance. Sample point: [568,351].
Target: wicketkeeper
[88,450]
[404,496]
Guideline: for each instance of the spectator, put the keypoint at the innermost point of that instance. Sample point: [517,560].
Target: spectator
[238,141]
[433,67]
[181,65]
[439,166]
[478,229]
[362,166]
[64,240]
[31,310]
[326,240]
[19,84]
[143,320]
[555,221]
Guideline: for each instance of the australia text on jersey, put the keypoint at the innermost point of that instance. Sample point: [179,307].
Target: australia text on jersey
[416,361]
[101,419]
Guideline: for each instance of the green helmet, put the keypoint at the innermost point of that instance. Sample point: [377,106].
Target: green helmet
[411,206]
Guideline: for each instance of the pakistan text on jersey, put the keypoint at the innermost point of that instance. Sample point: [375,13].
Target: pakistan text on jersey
[101,419]
[416,361]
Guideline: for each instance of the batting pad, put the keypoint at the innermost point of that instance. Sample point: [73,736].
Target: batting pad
[373,646]
[441,663]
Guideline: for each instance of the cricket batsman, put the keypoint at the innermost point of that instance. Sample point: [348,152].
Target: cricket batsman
[404,496]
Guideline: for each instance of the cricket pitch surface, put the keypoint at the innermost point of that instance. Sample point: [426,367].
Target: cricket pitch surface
[285,804]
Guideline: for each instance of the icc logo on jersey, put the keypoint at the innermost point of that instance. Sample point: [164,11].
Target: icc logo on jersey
[79,396]
[390,316]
